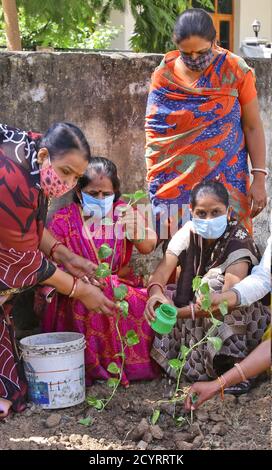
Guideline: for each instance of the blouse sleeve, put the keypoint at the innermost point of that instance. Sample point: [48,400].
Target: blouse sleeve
[180,241]
[22,264]
[247,88]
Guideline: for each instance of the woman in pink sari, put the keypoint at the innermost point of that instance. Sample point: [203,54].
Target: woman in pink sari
[80,228]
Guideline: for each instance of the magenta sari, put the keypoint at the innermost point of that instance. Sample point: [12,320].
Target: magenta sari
[64,314]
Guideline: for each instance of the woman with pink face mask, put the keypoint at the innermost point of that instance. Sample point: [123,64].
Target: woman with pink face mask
[34,169]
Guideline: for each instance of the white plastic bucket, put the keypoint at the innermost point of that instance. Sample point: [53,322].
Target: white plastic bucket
[54,368]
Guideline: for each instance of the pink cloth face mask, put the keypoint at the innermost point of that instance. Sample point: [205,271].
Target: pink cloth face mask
[51,183]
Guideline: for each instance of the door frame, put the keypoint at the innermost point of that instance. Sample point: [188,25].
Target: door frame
[217,17]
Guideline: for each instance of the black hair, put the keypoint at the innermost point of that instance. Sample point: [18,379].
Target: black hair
[194,22]
[214,188]
[61,138]
[100,165]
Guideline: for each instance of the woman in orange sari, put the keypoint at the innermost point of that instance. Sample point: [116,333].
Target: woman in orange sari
[202,120]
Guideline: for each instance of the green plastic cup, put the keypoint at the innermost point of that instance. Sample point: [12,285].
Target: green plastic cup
[166,318]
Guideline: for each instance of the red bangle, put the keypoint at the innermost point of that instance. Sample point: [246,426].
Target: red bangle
[155,284]
[53,249]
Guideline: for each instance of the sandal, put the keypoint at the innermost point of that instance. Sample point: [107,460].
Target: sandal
[240,389]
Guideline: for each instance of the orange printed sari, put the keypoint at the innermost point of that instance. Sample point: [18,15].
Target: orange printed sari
[195,133]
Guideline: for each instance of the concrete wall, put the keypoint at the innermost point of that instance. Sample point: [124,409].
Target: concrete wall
[106,96]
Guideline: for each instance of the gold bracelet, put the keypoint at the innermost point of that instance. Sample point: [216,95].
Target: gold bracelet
[241,372]
[222,385]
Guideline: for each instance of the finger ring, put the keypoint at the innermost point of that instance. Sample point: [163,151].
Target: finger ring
[260,207]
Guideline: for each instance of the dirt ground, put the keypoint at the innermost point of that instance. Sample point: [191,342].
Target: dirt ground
[236,423]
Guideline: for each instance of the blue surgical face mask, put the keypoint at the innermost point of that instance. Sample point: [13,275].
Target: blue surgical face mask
[95,207]
[210,229]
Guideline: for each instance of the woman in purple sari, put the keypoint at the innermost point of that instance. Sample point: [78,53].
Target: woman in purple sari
[79,228]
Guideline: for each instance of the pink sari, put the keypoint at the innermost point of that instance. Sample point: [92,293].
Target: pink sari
[64,314]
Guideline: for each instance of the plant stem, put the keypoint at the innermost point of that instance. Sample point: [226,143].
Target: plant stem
[122,364]
[174,399]
[112,258]
[123,346]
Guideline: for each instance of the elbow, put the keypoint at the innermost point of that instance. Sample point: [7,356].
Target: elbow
[249,130]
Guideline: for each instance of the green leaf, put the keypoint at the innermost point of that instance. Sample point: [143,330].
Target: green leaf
[113,368]
[103,270]
[123,305]
[131,338]
[112,382]
[204,288]
[206,303]
[216,342]
[184,351]
[86,421]
[155,416]
[223,307]
[120,292]
[175,364]
[180,421]
[92,401]
[139,195]
[104,251]
[216,322]
[196,283]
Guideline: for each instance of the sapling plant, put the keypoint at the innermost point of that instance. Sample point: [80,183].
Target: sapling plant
[179,395]
[104,270]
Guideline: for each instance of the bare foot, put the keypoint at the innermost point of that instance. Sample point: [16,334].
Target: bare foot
[4,407]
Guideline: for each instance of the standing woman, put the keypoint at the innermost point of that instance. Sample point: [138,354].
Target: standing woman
[31,171]
[202,120]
